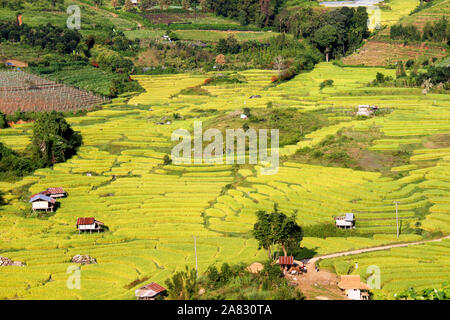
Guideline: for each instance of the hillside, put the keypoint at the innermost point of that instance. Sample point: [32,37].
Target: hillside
[134,81]
[380,50]
[166,205]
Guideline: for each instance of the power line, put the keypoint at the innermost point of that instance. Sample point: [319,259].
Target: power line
[195,248]
[396,214]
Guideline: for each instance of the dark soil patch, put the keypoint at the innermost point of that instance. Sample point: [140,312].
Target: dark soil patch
[438,141]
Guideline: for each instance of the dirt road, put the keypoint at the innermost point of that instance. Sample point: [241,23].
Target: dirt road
[322,285]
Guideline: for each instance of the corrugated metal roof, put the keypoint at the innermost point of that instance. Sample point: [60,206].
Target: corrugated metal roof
[149,290]
[286,260]
[45,193]
[84,221]
[55,190]
[90,220]
[43,198]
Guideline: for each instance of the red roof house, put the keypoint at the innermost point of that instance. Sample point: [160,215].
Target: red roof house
[286,260]
[56,192]
[89,224]
[149,292]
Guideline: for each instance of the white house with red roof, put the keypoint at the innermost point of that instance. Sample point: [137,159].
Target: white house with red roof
[89,224]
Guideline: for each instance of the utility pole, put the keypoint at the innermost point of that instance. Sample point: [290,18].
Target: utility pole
[195,248]
[396,214]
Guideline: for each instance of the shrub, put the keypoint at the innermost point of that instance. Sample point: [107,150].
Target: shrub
[326,83]
[3,121]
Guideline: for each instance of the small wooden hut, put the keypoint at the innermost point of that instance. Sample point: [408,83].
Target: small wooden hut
[286,262]
[346,222]
[354,288]
[56,193]
[150,291]
[89,224]
[41,202]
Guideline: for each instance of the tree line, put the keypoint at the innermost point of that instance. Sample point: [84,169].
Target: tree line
[46,36]
[258,12]
[438,31]
[20,4]
[434,76]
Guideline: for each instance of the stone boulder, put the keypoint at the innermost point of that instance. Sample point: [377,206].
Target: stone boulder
[5,262]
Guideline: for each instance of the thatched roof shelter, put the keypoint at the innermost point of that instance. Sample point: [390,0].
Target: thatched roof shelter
[352,283]
[255,267]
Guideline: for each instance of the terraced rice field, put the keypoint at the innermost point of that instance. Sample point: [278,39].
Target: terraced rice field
[153,209]
[380,50]
[389,12]
[423,266]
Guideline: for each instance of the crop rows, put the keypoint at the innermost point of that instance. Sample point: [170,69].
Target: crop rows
[22,91]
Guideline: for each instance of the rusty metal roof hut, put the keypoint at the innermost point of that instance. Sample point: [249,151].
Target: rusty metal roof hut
[89,224]
[286,260]
[149,292]
[56,193]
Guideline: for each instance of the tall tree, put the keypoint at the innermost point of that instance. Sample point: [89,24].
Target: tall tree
[145,5]
[3,121]
[325,38]
[277,228]
[183,285]
[288,233]
[53,139]
[204,5]
[186,4]
[128,5]
[262,231]
[98,3]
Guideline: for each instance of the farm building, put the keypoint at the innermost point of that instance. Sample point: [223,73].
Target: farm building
[149,292]
[89,224]
[354,288]
[286,262]
[345,222]
[366,110]
[56,193]
[41,202]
